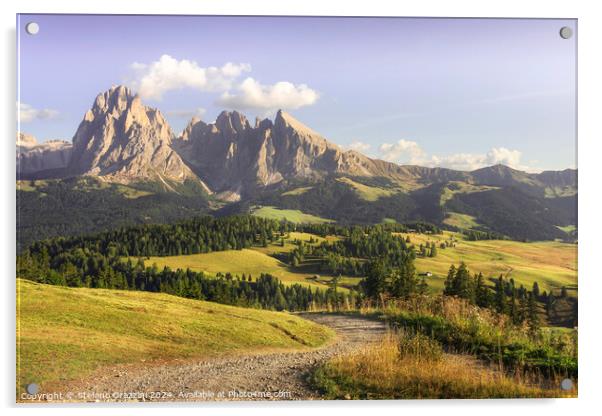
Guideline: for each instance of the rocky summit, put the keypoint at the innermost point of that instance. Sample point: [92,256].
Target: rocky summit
[122,140]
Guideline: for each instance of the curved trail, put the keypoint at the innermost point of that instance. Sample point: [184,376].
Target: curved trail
[254,376]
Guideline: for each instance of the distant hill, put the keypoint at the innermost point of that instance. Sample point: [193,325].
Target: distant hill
[231,165]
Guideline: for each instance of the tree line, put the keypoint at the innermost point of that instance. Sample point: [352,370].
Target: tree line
[520,304]
[97,271]
[350,255]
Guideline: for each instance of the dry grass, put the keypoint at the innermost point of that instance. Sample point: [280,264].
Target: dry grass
[407,366]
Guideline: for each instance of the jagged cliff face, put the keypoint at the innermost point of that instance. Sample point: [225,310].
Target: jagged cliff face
[33,157]
[123,140]
[232,155]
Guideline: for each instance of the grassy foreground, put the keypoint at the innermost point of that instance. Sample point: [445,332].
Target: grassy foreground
[443,347]
[407,366]
[66,333]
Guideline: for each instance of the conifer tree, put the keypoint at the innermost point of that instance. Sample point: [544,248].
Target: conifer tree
[375,282]
[532,314]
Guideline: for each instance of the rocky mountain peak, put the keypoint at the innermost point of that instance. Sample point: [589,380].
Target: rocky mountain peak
[232,122]
[122,139]
[284,120]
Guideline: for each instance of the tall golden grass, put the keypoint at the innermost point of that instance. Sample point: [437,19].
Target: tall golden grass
[414,366]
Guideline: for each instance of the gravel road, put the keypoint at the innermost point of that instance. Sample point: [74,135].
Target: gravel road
[261,376]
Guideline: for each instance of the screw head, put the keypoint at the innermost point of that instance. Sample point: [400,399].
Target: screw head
[32,388]
[32,28]
[566,384]
[566,32]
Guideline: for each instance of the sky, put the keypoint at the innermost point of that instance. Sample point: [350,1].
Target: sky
[458,93]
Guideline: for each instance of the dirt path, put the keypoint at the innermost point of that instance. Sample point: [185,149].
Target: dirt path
[272,376]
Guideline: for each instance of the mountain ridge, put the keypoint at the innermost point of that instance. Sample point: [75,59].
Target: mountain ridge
[232,164]
[122,140]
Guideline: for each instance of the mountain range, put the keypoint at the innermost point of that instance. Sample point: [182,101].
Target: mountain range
[234,165]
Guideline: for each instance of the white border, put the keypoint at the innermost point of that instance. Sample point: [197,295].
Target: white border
[590,151]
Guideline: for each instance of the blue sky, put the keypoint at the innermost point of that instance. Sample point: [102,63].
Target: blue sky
[460,93]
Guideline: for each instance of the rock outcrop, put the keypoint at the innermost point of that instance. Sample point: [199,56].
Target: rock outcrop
[35,157]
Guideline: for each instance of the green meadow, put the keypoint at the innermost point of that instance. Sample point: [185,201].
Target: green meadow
[66,333]
[292,215]
[248,261]
[551,264]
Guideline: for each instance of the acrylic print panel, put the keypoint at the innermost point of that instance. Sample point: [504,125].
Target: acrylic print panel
[294,208]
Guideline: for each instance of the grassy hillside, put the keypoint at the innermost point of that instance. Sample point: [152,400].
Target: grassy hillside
[248,261]
[65,333]
[367,193]
[75,206]
[292,215]
[551,264]
[297,191]
[462,221]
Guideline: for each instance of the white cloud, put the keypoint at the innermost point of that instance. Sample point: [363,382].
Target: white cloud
[503,156]
[199,112]
[154,79]
[28,113]
[251,95]
[409,152]
[359,146]
[404,151]
[472,161]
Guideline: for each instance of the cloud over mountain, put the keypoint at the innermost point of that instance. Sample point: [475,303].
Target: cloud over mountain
[168,73]
[403,151]
[251,95]
[410,152]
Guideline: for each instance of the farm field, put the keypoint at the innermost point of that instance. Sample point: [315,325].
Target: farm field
[65,333]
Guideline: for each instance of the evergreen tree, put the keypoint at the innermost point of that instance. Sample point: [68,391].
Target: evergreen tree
[375,282]
[535,290]
[500,296]
[482,294]
[532,313]
[449,280]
